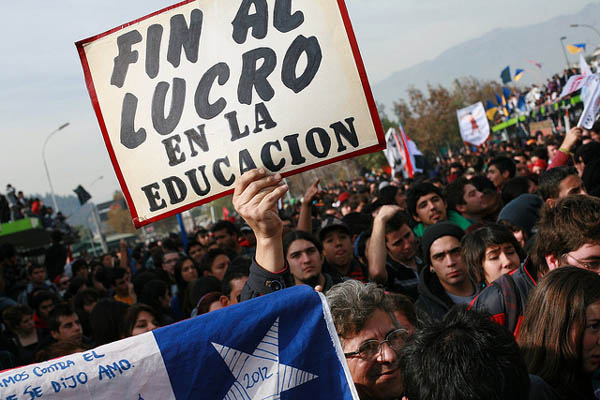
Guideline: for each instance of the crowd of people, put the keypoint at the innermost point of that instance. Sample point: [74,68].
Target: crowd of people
[520,101]
[476,280]
[15,206]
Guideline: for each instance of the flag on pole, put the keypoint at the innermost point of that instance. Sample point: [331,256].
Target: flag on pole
[521,104]
[591,101]
[505,99]
[473,124]
[574,83]
[518,74]
[225,211]
[402,153]
[416,157]
[491,111]
[576,48]
[282,345]
[502,104]
[584,68]
[82,195]
[505,75]
[394,153]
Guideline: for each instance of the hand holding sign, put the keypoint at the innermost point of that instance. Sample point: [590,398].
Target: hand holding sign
[255,199]
[571,138]
[191,97]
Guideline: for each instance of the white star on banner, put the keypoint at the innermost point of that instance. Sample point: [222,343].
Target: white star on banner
[260,375]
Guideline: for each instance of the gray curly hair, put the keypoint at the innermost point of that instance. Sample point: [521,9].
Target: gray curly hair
[352,303]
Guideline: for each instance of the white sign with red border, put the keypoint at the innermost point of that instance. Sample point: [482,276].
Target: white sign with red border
[190,97]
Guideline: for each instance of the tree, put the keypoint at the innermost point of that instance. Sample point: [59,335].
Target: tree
[119,219]
[430,119]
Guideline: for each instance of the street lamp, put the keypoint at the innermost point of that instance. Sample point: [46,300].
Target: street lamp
[562,44]
[586,26]
[96,180]
[46,165]
[97,221]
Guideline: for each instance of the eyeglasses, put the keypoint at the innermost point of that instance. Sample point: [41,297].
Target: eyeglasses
[593,266]
[371,348]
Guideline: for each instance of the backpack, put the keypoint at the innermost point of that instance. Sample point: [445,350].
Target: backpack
[512,300]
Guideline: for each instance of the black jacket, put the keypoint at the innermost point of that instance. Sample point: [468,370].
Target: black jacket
[403,279]
[496,300]
[261,282]
[433,302]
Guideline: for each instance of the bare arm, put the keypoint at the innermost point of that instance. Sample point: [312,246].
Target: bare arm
[376,251]
[305,217]
[124,256]
[566,146]
[255,198]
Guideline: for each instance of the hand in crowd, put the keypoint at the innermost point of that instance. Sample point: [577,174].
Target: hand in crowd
[384,213]
[255,198]
[311,193]
[571,138]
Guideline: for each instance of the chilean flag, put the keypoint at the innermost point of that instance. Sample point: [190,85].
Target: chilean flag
[279,346]
[402,153]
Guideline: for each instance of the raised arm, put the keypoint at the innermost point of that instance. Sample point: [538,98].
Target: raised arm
[305,217]
[376,251]
[562,156]
[255,198]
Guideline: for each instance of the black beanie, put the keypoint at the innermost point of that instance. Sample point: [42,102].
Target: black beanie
[434,232]
[524,212]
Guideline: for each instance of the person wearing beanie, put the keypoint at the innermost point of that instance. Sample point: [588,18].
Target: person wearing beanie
[444,281]
[567,234]
[520,216]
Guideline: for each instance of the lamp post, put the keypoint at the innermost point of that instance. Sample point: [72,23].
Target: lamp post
[586,26]
[46,164]
[97,221]
[562,44]
[96,180]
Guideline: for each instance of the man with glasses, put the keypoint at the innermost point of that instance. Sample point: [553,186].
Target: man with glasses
[362,314]
[568,234]
[370,336]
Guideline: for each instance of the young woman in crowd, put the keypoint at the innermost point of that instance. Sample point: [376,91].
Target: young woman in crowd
[22,334]
[106,320]
[186,271]
[156,294]
[491,251]
[560,334]
[139,319]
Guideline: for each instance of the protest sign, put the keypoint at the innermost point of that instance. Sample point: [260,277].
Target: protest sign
[575,83]
[283,344]
[546,127]
[473,124]
[190,97]
[590,93]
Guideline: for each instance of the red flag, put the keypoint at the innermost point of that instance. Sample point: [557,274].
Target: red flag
[225,212]
[404,146]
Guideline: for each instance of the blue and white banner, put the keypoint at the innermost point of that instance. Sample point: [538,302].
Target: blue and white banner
[279,346]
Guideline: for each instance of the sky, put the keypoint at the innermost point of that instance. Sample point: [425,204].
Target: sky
[42,85]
